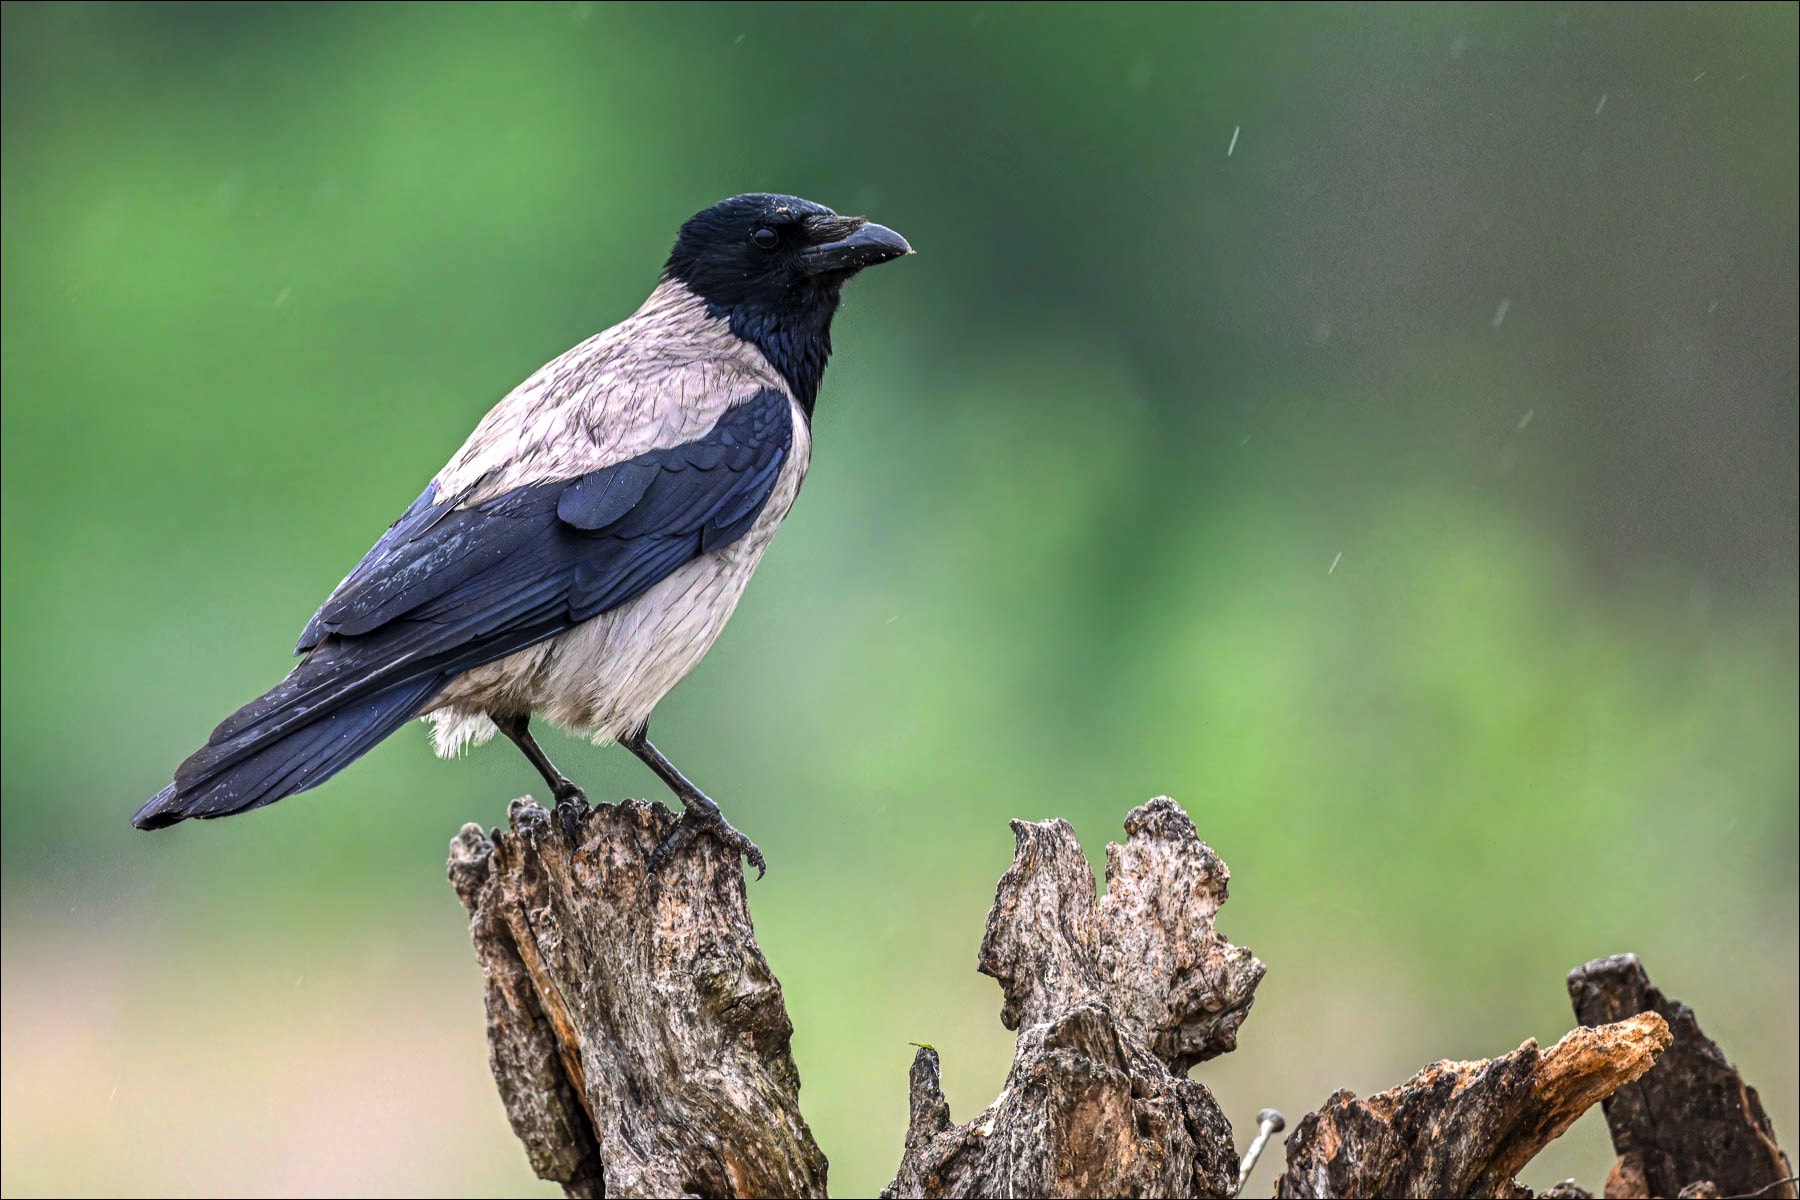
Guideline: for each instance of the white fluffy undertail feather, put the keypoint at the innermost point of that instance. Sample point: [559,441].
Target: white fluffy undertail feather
[455,730]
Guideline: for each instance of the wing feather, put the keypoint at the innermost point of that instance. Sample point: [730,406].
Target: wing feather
[450,588]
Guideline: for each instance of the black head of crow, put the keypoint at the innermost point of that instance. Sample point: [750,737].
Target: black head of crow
[775,268]
[580,553]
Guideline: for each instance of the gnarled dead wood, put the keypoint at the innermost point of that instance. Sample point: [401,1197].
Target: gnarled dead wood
[640,1042]
[1692,1120]
[1465,1128]
[1114,997]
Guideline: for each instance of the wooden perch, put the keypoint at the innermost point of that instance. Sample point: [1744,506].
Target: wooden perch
[1114,998]
[1692,1122]
[1465,1128]
[640,1043]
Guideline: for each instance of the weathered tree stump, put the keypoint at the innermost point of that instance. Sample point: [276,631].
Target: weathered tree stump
[1114,997]
[1692,1122]
[641,1045]
[1465,1128]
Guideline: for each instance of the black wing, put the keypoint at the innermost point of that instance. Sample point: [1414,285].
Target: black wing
[448,588]
[584,545]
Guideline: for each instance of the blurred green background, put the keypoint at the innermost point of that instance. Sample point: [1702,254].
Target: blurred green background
[1374,427]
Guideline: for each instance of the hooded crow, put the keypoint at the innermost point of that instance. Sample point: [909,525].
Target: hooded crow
[580,553]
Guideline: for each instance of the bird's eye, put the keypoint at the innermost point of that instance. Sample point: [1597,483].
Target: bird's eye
[767,238]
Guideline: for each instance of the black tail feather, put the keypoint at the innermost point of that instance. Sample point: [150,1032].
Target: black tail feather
[285,758]
[331,710]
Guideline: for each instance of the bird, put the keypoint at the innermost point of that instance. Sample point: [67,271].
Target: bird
[580,553]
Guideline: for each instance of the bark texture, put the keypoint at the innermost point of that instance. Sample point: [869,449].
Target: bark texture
[641,1044]
[1691,1122]
[639,1041]
[1114,998]
[1465,1128]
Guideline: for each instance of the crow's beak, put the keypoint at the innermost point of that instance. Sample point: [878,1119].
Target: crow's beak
[864,246]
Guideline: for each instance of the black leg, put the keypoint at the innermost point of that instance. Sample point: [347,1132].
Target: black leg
[702,815]
[518,728]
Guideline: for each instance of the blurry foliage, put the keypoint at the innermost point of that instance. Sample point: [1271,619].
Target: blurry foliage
[1410,492]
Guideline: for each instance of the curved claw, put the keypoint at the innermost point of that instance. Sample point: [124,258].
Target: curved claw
[696,822]
[571,812]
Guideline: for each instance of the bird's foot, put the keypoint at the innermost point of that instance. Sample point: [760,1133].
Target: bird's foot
[701,818]
[572,811]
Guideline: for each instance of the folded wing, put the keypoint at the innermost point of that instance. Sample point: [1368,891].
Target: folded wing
[449,588]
